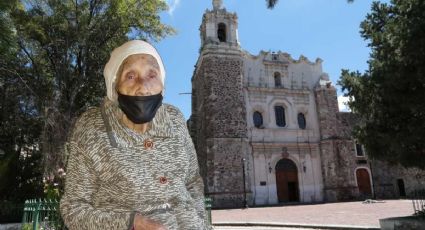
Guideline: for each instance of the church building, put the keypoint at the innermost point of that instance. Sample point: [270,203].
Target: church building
[267,128]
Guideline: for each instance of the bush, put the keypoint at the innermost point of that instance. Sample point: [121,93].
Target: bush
[11,212]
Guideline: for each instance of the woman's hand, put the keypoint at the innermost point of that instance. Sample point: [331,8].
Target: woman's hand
[143,223]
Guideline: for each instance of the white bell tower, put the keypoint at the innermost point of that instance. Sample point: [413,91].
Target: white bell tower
[219,27]
[217,4]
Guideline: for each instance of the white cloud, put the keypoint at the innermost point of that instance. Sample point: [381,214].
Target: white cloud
[172,5]
[342,104]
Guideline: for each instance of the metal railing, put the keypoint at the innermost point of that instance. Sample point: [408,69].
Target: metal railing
[42,214]
[418,201]
[208,205]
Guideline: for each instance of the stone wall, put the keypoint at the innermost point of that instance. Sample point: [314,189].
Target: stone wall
[223,100]
[218,126]
[338,155]
[385,178]
[338,168]
[327,109]
[339,160]
[345,124]
[225,182]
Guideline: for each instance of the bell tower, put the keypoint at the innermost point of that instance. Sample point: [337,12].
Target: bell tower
[217,4]
[218,121]
[219,27]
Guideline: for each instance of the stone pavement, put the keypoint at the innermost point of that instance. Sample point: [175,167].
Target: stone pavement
[260,228]
[354,214]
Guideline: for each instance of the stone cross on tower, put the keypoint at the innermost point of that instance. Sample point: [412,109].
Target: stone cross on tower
[217,4]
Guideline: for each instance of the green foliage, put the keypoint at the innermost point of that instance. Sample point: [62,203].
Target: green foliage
[55,71]
[53,187]
[11,212]
[272,3]
[27,227]
[52,192]
[20,170]
[51,70]
[20,161]
[6,30]
[389,97]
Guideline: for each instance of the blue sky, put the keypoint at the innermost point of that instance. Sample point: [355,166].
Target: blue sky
[328,29]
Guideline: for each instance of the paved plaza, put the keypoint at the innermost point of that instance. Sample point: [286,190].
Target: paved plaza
[359,214]
[260,228]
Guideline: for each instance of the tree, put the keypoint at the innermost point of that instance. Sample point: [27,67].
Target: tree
[6,40]
[20,171]
[389,97]
[272,3]
[62,47]
[20,161]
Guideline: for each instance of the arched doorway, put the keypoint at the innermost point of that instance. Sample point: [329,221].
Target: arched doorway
[363,182]
[401,189]
[287,181]
[221,32]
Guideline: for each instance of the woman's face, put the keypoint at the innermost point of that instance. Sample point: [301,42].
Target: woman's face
[139,75]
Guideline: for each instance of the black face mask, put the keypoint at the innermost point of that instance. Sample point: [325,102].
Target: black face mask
[140,109]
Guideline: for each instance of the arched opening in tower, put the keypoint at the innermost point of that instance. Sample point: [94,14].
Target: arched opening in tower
[221,32]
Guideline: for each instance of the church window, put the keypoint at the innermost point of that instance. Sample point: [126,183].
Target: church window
[221,32]
[277,80]
[301,121]
[280,116]
[359,150]
[258,119]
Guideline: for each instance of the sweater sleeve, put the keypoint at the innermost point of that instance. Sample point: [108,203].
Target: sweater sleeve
[194,182]
[76,205]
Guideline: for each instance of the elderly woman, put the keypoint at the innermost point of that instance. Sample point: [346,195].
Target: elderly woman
[132,164]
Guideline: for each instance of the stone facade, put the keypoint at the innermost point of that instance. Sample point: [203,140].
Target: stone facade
[270,142]
[218,121]
[387,177]
[220,126]
[337,150]
[267,128]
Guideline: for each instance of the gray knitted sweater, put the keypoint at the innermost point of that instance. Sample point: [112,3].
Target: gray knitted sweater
[114,173]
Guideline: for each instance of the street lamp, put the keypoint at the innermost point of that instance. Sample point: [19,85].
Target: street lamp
[245,205]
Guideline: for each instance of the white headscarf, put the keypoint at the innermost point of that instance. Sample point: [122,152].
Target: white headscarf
[119,55]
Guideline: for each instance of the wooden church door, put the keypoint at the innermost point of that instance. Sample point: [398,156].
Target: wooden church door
[287,181]
[363,182]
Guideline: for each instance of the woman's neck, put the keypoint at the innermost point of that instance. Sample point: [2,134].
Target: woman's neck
[139,128]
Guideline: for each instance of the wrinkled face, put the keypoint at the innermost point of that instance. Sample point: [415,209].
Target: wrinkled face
[139,75]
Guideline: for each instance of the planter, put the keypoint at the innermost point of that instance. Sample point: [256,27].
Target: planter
[403,223]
